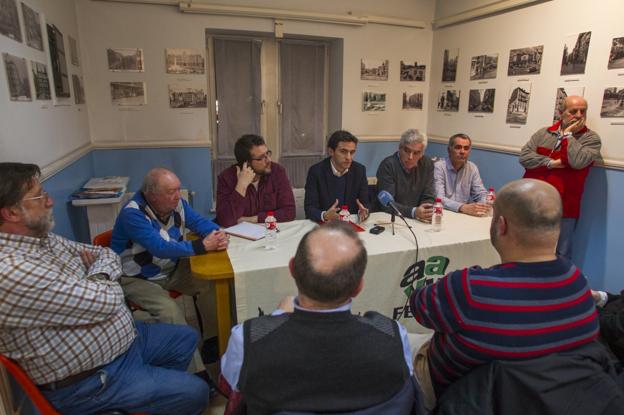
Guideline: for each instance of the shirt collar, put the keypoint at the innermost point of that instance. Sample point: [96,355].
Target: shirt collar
[449,165]
[345,307]
[23,241]
[335,171]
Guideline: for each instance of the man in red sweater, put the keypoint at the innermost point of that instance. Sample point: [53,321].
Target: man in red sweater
[254,186]
[562,156]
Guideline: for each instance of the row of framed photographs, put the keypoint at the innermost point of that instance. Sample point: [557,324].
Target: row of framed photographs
[181,95]
[18,80]
[377,70]
[179,61]
[482,101]
[528,61]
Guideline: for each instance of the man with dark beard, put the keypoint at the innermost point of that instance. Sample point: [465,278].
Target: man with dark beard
[64,320]
[562,156]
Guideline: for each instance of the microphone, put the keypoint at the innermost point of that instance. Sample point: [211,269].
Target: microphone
[386,199]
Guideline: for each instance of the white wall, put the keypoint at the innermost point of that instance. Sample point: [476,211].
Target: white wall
[154,28]
[39,131]
[544,24]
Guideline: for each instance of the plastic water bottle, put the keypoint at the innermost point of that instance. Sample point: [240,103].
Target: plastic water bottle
[270,236]
[436,219]
[489,200]
[344,213]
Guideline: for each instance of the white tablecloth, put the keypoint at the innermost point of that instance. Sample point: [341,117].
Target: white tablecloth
[262,277]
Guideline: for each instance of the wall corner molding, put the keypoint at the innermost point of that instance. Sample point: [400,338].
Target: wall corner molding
[56,166]
[495,7]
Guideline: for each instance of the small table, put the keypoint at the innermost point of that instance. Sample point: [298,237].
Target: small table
[216,266]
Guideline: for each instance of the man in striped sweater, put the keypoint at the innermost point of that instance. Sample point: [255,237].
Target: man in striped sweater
[532,304]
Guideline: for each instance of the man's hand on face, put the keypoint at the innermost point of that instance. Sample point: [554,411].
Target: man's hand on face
[424,212]
[332,212]
[245,176]
[475,209]
[216,241]
[576,126]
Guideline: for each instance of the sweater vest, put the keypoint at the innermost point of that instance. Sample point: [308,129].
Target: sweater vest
[320,362]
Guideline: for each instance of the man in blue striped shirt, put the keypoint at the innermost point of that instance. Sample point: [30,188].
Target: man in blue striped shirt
[532,304]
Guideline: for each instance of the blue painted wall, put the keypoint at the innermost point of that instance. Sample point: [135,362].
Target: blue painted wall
[598,241]
[192,165]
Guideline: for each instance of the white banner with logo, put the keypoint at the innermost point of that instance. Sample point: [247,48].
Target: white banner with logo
[262,277]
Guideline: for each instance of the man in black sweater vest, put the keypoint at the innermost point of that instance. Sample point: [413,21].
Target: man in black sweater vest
[312,355]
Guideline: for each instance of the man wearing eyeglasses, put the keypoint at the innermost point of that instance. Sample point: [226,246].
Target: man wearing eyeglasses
[562,156]
[64,320]
[408,176]
[253,186]
[457,181]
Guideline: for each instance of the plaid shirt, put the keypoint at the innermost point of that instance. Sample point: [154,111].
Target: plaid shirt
[54,321]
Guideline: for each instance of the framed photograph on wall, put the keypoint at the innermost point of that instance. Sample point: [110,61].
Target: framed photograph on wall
[184,61]
[17,78]
[60,77]
[518,103]
[448,100]
[188,95]
[449,65]
[612,103]
[128,93]
[373,101]
[32,26]
[9,20]
[616,57]
[483,67]
[125,60]
[412,101]
[412,72]
[563,93]
[525,61]
[41,80]
[575,51]
[79,94]
[481,100]
[74,56]
[374,69]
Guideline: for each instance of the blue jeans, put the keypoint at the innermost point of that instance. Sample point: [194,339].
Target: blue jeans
[566,236]
[150,377]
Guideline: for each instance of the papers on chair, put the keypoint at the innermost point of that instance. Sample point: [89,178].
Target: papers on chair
[247,230]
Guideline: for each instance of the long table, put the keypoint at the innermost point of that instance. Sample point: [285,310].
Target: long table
[262,277]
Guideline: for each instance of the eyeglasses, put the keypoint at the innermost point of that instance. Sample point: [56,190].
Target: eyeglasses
[264,157]
[44,195]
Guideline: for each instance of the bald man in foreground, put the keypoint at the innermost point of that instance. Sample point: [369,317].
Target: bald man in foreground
[148,236]
[532,304]
[562,156]
[312,355]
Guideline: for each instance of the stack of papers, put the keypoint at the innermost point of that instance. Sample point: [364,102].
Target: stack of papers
[102,188]
[247,230]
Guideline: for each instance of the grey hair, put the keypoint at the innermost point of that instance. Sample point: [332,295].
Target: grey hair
[412,136]
[152,179]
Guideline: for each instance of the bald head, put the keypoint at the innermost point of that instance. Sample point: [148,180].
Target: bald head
[161,188]
[532,211]
[572,100]
[329,263]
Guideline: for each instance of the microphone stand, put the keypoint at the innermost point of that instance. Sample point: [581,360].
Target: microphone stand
[392,221]
[417,248]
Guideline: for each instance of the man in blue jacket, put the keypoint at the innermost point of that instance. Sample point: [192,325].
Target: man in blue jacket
[148,235]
